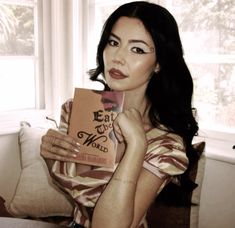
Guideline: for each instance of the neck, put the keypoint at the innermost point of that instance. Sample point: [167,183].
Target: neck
[139,102]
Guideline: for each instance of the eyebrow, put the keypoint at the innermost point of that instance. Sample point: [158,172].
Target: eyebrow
[132,40]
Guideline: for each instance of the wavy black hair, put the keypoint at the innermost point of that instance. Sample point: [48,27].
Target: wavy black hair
[169,90]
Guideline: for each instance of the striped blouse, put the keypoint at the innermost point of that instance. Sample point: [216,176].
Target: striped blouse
[165,158]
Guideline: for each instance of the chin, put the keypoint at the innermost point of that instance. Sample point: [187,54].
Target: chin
[114,87]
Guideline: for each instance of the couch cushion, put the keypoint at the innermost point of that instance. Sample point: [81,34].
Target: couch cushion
[36,195]
[24,223]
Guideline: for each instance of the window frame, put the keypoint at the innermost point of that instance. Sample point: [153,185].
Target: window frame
[10,120]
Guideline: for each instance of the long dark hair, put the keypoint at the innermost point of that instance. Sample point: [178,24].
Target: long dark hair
[169,90]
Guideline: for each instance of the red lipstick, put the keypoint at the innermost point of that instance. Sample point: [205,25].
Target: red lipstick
[116,74]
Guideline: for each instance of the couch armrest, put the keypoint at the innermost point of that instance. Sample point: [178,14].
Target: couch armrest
[10,166]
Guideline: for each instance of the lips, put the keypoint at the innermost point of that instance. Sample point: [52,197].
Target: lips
[116,74]
[111,100]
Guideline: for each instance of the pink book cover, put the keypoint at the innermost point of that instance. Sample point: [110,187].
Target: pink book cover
[92,116]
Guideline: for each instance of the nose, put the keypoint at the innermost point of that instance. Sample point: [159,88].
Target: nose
[119,57]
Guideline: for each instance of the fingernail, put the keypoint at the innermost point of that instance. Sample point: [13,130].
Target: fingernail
[76,150]
[74,155]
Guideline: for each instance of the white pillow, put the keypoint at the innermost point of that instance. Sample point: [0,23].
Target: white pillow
[36,195]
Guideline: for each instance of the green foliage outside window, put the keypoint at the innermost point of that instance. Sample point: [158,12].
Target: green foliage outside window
[17,30]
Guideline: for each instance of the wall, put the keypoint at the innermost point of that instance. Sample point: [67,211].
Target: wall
[217,206]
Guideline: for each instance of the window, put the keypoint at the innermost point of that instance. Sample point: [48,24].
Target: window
[208,39]
[37,59]
[207,34]
[19,63]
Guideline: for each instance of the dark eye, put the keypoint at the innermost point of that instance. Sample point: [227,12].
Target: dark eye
[113,43]
[138,50]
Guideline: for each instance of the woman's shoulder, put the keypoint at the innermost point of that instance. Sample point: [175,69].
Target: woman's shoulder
[162,137]
[65,114]
[67,105]
[166,154]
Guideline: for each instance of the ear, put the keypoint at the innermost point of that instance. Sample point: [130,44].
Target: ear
[157,68]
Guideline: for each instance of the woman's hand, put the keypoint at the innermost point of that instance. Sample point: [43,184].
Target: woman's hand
[58,146]
[128,127]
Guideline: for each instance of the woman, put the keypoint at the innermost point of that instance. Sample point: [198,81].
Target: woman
[140,53]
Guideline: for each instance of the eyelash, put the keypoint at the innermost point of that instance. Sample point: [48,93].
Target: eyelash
[138,50]
[114,43]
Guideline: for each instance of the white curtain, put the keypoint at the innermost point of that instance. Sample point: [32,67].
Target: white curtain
[57,53]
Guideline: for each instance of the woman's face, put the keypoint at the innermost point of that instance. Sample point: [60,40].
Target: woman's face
[129,56]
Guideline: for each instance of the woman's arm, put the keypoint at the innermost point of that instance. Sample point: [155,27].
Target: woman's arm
[132,188]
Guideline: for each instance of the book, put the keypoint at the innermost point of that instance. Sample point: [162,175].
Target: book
[91,122]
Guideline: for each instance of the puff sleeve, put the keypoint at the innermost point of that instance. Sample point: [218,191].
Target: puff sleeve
[166,156]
